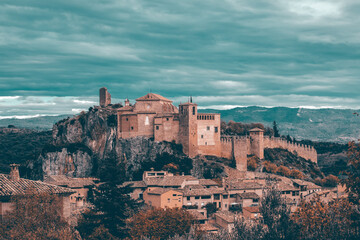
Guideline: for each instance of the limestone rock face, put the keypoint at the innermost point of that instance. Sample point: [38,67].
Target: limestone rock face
[81,144]
[76,164]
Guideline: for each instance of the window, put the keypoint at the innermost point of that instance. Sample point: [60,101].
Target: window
[206,197]
[151,174]
[205,143]
[197,197]
[216,129]
[219,204]
[194,110]
[179,199]
[216,196]
[202,136]
[160,174]
[232,195]
[256,200]
[208,128]
[132,128]
[188,198]
[127,119]
[157,127]
[168,200]
[225,196]
[167,119]
[174,195]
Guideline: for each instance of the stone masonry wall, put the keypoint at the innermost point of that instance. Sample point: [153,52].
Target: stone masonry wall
[303,151]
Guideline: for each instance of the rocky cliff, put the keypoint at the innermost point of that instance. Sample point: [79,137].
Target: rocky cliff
[81,144]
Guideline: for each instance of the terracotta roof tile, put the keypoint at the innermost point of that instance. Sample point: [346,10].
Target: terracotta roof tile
[153,97]
[252,209]
[248,195]
[10,187]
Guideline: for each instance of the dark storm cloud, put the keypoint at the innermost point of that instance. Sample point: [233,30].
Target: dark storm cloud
[289,53]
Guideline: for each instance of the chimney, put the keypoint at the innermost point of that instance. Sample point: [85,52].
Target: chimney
[14,172]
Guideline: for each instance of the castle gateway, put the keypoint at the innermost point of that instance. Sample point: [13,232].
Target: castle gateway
[155,116]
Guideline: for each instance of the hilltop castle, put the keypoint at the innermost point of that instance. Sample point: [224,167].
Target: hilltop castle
[155,116]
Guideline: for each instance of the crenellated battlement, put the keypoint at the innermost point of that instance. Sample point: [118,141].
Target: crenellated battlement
[305,151]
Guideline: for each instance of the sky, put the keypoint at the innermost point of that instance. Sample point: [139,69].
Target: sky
[55,55]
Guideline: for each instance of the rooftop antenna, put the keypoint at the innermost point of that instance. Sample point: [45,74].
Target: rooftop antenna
[191,99]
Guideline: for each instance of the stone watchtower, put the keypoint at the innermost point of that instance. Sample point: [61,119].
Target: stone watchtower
[188,136]
[257,142]
[105,97]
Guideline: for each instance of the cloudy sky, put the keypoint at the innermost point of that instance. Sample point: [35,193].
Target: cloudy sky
[55,55]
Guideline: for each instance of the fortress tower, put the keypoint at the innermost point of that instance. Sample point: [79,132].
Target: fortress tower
[188,129]
[105,97]
[257,142]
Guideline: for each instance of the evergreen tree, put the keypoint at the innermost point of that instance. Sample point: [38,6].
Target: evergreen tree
[276,130]
[112,205]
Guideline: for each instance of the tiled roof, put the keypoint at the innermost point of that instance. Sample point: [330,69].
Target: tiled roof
[310,185]
[62,180]
[153,97]
[226,215]
[256,130]
[196,214]
[22,186]
[135,184]
[283,186]
[238,185]
[168,181]
[252,209]
[159,191]
[126,108]
[208,182]
[208,227]
[248,195]
[189,191]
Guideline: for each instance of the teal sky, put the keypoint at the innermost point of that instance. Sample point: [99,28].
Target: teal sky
[55,55]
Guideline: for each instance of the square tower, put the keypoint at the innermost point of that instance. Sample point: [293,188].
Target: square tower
[188,132]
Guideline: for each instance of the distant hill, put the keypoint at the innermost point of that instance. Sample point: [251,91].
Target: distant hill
[330,125]
[37,123]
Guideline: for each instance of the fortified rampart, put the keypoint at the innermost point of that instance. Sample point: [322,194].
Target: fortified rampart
[304,151]
[237,148]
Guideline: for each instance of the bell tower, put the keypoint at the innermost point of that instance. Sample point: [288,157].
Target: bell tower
[188,128]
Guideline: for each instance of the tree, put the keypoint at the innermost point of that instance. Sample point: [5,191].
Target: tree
[353,181]
[284,171]
[319,220]
[112,205]
[276,130]
[270,167]
[157,223]
[276,215]
[210,208]
[36,216]
[296,174]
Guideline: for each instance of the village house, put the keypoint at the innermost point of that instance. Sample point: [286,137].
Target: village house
[252,213]
[80,185]
[225,220]
[13,186]
[163,197]
[248,199]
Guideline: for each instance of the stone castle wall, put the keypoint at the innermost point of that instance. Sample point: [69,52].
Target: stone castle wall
[237,148]
[303,151]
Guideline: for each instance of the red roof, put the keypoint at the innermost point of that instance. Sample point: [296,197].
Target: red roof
[22,186]
[153,97]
